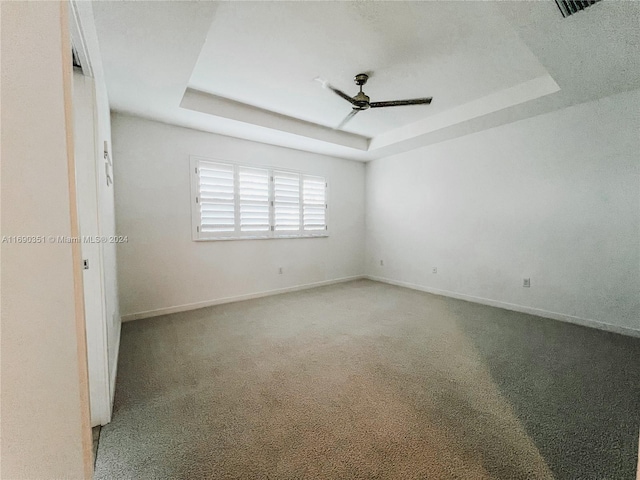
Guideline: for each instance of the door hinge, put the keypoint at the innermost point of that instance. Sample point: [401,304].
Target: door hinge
[85,264]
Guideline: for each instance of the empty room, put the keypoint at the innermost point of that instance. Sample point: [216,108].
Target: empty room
[320,240]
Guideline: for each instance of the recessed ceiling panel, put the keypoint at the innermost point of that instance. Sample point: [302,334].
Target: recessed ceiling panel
[267,54]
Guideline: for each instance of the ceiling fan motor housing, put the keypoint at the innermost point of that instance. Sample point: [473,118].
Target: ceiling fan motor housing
[361,101]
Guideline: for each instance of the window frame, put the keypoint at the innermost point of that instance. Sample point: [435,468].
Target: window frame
[237,234]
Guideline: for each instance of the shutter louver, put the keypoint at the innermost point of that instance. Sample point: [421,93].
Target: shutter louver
[314,204]
[569,7]
[253,186]
[286,201]
[216,197]
[233,202]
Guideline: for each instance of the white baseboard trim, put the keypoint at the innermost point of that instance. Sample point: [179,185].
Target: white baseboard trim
[238,298]
[585,322]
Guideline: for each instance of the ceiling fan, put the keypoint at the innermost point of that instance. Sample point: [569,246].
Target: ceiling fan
[361,101]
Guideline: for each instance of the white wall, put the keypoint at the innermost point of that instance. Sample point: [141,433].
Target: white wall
[554,198]
[161,267]
[45,410]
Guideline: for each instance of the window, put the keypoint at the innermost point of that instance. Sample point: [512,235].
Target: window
[232,201]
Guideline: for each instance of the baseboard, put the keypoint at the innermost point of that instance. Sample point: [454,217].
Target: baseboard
[237,298]
[585,322]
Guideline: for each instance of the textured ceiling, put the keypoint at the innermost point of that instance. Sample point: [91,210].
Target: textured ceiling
[246,69]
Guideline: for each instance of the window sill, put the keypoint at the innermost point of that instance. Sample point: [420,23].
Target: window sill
[272,237]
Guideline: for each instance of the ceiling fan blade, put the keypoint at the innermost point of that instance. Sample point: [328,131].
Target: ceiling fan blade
[347,118]
[400,103]
[340,93]
[321,81]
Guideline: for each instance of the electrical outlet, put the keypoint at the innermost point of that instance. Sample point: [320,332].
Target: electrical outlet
[280,271]
[382,263]
[434,270]
[526,282]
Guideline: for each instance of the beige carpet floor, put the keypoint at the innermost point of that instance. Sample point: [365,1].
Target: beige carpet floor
[364,380]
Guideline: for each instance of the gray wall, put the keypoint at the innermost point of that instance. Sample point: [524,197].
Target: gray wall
[554,198]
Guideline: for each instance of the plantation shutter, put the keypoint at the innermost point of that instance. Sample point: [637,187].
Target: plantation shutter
[286,201]
[231,201]
[216,197]
[314,207]
[253,190]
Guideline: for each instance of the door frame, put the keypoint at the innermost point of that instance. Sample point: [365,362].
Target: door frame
[88,160]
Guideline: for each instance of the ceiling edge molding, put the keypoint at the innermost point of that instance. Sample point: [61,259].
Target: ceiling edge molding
[210,104]
[509,97]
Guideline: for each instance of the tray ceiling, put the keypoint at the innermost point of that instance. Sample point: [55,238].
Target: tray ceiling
[247,69]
